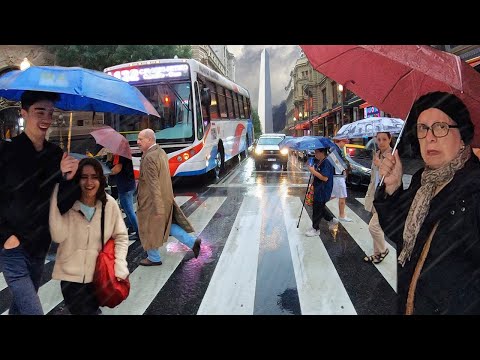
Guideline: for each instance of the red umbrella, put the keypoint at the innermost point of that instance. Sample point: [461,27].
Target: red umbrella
[392,77]
[112,140]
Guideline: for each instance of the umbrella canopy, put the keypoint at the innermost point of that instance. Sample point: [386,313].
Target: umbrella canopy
[309,143]
[112,140]
[369,127]
[79,89]
[392,77]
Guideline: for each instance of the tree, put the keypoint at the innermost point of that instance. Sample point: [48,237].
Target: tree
[98,57]
[257,128]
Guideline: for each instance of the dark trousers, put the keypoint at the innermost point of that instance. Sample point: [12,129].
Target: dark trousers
[80,298]
[319,212]
[23,274]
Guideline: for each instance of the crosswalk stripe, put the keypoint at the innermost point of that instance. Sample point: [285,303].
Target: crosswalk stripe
[231,291]
[361,200]
[180,200]
[319,286]
[358,230]
[146,282]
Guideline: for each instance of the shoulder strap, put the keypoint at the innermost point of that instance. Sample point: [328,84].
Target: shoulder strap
[102,224]
[416,273]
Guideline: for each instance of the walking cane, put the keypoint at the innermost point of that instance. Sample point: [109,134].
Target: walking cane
[306,192]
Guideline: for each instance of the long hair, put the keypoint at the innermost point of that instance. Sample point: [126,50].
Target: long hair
[101,195]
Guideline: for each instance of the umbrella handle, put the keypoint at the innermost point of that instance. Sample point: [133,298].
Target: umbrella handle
[69,133]
[396,143]
[306,192]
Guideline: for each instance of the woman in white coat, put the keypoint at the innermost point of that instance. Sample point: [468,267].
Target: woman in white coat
[78,232]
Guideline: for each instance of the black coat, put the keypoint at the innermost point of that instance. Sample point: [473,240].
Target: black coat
[449,282]
[27,178]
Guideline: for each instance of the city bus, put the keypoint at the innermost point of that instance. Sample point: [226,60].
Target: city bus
[205,118]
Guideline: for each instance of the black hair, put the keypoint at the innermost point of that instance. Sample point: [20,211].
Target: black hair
[323,150]
[29,98]
[101,195]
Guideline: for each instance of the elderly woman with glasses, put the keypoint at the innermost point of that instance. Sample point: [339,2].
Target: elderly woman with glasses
[436,221]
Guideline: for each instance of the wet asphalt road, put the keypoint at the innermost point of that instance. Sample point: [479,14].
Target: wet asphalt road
[254,260]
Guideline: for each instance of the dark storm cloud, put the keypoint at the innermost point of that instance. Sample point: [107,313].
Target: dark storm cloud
[282,61]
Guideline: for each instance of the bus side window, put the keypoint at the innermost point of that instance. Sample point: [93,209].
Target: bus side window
[200,110]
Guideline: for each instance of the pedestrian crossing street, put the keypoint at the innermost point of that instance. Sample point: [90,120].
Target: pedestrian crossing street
[254,260]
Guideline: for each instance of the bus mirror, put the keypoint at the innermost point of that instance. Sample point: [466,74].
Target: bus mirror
[206,97]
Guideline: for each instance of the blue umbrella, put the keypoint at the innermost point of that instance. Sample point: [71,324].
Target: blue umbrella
[79,89]
[309,143]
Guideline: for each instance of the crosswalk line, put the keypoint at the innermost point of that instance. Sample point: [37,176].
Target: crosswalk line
[232,287]
[180,200]
[146,282]
[358,230]
[320,289]
[361,200]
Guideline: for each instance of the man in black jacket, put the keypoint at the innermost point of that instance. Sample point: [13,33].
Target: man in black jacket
[29,167]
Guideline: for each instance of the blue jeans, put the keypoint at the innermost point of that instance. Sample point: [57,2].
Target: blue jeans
[23,274]
[177,232]
[126,201]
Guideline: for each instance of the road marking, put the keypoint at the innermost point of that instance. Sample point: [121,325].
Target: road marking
[230,291]
[320,289]
[147,281]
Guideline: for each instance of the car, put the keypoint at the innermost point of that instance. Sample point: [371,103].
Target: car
[360,159]
[267,152]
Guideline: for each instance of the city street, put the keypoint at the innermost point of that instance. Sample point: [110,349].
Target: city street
[254,259]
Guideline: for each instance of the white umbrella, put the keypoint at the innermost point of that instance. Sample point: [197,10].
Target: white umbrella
[369,127]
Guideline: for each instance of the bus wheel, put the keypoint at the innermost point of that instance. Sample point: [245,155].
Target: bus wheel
[219,162]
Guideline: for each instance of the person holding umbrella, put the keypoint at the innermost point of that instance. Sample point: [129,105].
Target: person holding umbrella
[322,185]
[30,166]
[435,222]
[125,180]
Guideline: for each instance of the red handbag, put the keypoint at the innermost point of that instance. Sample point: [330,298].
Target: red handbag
[109,291]
[309,196]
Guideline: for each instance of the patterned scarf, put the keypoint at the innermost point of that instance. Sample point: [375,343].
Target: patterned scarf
[431,180]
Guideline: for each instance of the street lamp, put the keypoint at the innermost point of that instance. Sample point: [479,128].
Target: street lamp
[343,89]
[340,88]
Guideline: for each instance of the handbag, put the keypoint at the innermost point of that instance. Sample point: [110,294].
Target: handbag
[309,196]
[109,290]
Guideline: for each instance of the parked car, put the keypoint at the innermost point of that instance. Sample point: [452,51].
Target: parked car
[267,152]
[360,159]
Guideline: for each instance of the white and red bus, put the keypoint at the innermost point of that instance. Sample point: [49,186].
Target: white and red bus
[205,117]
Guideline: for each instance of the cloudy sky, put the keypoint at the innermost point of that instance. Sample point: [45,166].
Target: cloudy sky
[282,60]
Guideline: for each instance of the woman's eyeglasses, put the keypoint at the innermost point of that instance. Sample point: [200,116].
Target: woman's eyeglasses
[439,129]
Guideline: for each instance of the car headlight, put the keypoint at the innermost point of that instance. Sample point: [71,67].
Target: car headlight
[284,151]
[258,151]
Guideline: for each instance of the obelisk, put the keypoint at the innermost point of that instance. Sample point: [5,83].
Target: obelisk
[265,94]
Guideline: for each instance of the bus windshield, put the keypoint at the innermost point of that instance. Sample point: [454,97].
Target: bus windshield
[173,101]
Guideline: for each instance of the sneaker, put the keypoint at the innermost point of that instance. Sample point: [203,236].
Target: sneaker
[312,232]
[346,219]
[332,223]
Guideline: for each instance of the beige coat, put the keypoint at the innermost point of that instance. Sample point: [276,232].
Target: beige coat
[155,197]
[79,240]
[371,187]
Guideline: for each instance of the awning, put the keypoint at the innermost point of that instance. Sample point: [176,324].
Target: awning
[303,126]
[364,105]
